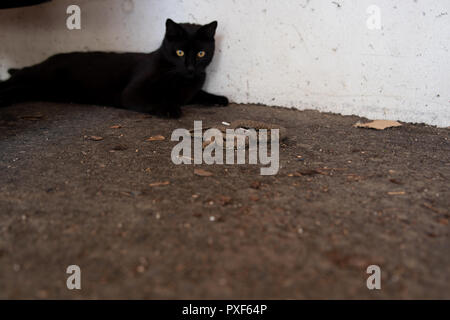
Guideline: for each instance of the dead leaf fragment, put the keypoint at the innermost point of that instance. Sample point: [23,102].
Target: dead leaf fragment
[378,124]
[203,173]
[156,138]
[395,181]
[117,126]
[95,138]
[396,193]
[159,183]
[307,172]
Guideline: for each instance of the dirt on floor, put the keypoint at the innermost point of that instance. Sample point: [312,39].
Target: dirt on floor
[82,185]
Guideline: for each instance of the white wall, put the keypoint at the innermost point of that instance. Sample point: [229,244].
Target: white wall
[307,54]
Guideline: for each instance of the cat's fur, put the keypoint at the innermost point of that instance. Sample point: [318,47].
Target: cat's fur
[159,82]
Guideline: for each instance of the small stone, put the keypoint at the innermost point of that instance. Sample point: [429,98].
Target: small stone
[140,269]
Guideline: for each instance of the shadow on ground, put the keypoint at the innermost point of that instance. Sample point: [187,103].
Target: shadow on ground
[344,198]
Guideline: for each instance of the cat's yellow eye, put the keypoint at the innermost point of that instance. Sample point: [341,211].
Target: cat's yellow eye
[180,53]
[201,54]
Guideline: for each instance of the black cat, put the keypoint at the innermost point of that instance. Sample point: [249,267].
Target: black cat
[158,83]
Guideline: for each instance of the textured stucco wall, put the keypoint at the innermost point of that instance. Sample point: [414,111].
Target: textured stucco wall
[307,54]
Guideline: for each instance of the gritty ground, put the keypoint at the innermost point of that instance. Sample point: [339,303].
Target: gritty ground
[141,227]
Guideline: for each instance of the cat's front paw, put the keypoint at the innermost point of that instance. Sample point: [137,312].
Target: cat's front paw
[221,101]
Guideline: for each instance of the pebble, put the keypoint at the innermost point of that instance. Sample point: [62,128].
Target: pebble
[140,269]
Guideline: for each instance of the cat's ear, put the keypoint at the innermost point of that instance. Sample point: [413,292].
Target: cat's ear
[174,30]
[208,31]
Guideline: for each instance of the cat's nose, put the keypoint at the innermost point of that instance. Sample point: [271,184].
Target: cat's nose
[190,69]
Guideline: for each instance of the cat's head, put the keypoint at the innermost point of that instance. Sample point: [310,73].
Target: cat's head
[189,47]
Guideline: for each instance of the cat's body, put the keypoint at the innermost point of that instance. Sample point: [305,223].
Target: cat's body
[159,82]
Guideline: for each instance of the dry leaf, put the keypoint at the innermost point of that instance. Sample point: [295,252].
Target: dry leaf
[203,173]
[158,184]
[378,124]
[117,126]
[95,138]
[395,181]
[156,138]
[396,193]
[307,172]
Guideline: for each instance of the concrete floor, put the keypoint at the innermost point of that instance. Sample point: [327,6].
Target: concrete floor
[141,227]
